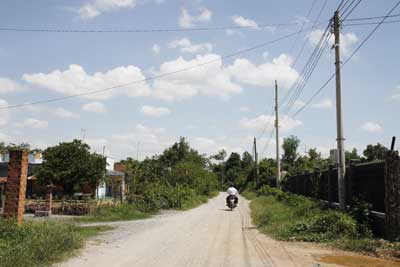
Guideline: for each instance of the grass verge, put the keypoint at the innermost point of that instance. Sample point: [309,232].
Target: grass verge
[40,243]
[197,200]
[290,217]
[123,212]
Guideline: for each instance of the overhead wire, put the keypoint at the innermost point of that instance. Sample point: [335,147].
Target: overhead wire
[217,28]
[351,10]
[92,92]
[347,60]
[296,59]
[291,49]
[307,71]
[369,23]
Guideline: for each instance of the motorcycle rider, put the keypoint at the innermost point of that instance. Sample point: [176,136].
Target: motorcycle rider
[232,191]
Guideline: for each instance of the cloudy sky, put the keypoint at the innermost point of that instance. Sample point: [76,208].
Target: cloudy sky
[214,101]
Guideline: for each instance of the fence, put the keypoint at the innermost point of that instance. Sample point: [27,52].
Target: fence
[364,182]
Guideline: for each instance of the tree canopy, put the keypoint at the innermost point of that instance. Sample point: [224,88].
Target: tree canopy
[71,165]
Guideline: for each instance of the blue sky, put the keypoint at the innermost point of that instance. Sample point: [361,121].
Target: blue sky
[219,105]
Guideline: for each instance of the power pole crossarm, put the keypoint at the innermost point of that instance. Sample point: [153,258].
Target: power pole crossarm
[278,161]
[339,122]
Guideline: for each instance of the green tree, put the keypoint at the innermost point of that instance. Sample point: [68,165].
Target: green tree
[181,151]
[71,165]
[233,170]
[375,152]
[352,155]
[290,146]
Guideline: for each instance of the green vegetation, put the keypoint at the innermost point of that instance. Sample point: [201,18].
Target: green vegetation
[71,165]
[290,217]
[179,178]
[40,243]
[123,212]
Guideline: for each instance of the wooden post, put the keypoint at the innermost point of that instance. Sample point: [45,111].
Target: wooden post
[392,196]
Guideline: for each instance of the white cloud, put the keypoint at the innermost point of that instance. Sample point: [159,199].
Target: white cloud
[324,104]
[396,94]
[94,8]
[96,107]
[244,109]
[151,141]
[347,40]
[186,20]
[186,46]
[210,79]
[265,74]
[286,123]
[156,49]
[75,80]
[229,32]
[155,111]
[63,113]
[372,127]
[4,114]
[33,123]
[243,22]
[214,79]
[8,85]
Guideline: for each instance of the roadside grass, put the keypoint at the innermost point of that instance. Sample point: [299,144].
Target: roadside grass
[197,200]
[290,217]
[123,212]
[41,243]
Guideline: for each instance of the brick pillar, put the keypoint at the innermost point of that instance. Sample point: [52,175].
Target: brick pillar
[49,199]
[14,206]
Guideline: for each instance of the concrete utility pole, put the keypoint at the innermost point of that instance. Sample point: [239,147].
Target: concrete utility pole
[339,123]
[256,160]
[278,158]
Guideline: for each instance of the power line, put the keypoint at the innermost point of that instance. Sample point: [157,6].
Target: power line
[156,76]
[307,70]
[347,60]
[344,9]
[351,11]
[372,18]
[308,36]
[217,28]
[370,23]
[302,48]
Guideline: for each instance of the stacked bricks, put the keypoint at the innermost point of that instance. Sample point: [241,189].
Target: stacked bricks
[14,206]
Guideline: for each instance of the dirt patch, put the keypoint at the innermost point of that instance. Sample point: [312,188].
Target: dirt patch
[357,261]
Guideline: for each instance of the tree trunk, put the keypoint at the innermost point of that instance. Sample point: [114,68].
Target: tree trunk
[392,196]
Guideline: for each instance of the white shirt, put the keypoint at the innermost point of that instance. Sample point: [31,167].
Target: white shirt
[232,191]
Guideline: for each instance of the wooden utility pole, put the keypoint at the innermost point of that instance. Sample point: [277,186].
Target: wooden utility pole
[278,160]
[256,161]
[339,123]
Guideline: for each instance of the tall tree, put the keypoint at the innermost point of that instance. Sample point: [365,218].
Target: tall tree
[71,165]
[375,152]
[290,146]
[352,155]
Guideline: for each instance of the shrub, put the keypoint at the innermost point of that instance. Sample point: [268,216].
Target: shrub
[114,213]
[323,227]
[36,244]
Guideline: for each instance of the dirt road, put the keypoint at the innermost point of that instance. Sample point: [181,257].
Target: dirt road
[209,235]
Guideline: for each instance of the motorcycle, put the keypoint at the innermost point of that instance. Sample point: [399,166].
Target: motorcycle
[231,202]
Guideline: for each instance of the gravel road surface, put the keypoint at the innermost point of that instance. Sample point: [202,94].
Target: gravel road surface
[209,235]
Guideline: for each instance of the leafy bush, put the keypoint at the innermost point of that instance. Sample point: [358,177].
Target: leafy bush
[114,213]
[36,244]
[327,226]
